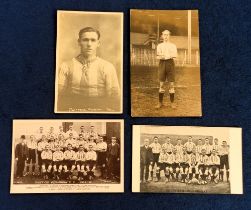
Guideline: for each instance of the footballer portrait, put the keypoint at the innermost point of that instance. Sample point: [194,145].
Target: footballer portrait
[165,63]
[89,62]
[187,160]
[50,153]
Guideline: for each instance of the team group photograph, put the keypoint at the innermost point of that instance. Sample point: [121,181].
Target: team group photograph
[178,162]
[68,152]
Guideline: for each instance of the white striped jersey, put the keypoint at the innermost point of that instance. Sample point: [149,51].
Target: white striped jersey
[156,148]
[58,156]
[61,133]
[189,146]
[203,159]
[51,134]
[199,148]
[208,148]
[167,147]
[101,146]
[93,133]
[59,143]
[82,142]
[216,148]
[46,155]
[41,145]
[91,155]
[214,160]
[184,158]
[84,134]
[194,159]
[32,144]
[69,155]
[52,145]
[179,148]
[39,135]
[73,142]
[176,157]
[80,156]
[90,143]
[74,134]
[163,157]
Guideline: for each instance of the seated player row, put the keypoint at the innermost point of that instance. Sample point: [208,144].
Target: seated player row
[188,163]
[62,164]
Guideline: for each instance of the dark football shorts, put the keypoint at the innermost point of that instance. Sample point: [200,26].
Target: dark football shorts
[166,70]
[155,158]
[163,166]
[175,166]
[69,163]
[214,168]
[46,162]
[80,162]
[32,155]
[57,163]
[101,158]
[224,161]
[202,167]
[90,163]
[184,165]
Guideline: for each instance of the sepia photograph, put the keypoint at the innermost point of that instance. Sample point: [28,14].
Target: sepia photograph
[180,159]
[165,63]
[89,62]
[75,156]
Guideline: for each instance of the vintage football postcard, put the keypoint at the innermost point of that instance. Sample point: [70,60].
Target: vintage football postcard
[67,156]
[179,159]
[165,63]
[89,62]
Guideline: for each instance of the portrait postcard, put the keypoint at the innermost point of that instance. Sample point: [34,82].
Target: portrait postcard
[67,156]
[184,159]
[89,62]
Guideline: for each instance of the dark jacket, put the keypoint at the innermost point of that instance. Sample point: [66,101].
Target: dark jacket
[113,150]
[21,151]
[146,155]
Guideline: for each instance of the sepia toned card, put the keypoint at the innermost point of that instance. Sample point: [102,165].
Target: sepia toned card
[67,156]
[89,62]
[165,63]
[184,159]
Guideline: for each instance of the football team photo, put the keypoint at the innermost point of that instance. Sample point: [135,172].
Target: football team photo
[186,159]
[67,152]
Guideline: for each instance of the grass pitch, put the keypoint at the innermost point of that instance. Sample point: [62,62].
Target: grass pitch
[144,92]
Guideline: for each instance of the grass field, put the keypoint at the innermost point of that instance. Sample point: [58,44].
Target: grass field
[144,92]
[177,187]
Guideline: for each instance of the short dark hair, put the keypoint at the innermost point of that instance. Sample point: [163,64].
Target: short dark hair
[88,29]
[22,136]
